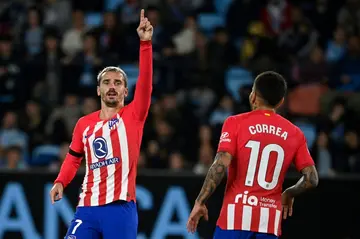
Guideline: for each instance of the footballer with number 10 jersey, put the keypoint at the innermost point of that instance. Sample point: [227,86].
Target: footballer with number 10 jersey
[255,150]
[263,145]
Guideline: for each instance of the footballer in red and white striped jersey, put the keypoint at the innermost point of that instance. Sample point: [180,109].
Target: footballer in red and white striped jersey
[111,147]
[109,141]
[255,151]
[263,145]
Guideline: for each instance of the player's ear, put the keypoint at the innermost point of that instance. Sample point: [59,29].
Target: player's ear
[252,97]
[126,92]
[98,90]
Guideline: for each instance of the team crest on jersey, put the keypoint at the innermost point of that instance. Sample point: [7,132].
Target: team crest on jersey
[113,122]
[100,147]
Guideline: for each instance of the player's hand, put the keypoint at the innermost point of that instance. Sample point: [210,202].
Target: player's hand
[145,29]
[287,203]
[198,212]
[56,192]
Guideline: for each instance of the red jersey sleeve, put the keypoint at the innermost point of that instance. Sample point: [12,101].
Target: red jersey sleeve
[77,144]
[228,138]
[73,159]
[142,95]
[303,158]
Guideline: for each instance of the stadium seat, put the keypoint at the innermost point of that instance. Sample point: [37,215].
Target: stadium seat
[94,19]
[235,78]
[222,6]
[111,5]
[304,100]
[209,21]
[309,132]
[132,72]
[45,154]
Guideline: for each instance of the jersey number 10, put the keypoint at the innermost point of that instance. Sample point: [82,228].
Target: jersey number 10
[264,161]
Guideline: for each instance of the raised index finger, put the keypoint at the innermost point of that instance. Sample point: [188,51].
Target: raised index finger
[142,14]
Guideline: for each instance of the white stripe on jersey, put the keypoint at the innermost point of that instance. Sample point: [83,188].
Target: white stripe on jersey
[110,185]
[230,216]
[82,195]
[277,221]
[264,219]
[246,218]
[95,188]
[124,159]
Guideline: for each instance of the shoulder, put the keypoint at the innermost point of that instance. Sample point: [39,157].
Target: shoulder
[239,117]
[86,119]
[291,127]
[91,116]
[232,122]
[242,117]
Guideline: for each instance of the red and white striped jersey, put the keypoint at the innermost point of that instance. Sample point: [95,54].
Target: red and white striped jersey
[111,147]
[263,145]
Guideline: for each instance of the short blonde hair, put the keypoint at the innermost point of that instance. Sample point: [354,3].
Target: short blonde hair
[112,69]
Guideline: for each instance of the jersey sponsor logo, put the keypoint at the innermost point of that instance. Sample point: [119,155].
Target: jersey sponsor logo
[225,137]
[104,163]
[100,147]
[113,122]
[252,200]
[247,199]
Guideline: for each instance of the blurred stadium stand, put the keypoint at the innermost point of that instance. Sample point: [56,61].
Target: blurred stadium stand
[206,55]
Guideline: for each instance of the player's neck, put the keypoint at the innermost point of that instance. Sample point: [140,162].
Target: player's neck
[264,108]
[107,112]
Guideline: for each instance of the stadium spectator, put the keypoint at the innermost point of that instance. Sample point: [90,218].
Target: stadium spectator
[47,73]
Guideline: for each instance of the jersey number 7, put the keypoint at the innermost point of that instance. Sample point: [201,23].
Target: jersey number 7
[264,161]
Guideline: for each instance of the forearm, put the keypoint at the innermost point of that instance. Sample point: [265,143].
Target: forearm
[214,176]
[308,181]
[143,90]
[145,64]
[68,170]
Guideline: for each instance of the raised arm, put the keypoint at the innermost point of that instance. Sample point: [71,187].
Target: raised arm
[142,96]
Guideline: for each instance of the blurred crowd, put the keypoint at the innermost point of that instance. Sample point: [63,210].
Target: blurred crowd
[51,51]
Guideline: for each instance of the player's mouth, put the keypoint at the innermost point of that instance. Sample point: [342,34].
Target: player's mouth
[111,94]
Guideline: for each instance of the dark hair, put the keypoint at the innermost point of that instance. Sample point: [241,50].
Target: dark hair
[271,87]
[112,69]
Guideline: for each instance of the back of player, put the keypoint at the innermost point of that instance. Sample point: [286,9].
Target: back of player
[257,149]
[263,145]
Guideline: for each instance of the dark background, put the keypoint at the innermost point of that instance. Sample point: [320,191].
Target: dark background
[331,211]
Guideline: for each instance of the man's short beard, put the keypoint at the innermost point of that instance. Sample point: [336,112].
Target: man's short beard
[111,104]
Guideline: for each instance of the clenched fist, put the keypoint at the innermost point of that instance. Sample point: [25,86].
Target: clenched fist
[56,192]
